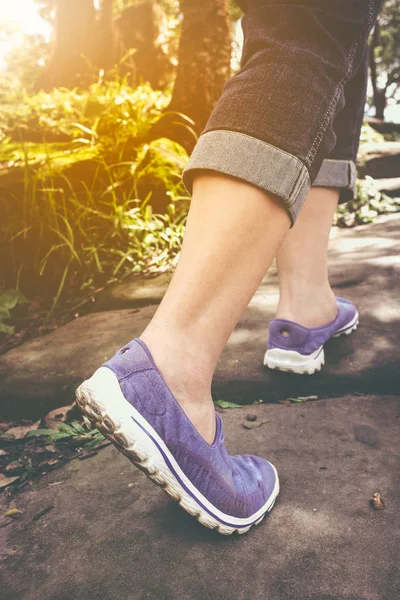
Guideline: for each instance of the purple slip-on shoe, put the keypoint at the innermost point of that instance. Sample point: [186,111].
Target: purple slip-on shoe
[297,349]
[129,401]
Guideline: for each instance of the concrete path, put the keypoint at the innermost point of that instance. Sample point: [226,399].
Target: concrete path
[112,535]
[365,267]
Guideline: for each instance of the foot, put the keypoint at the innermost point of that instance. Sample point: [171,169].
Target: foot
[298,349]
[297,303]
[187,379]
[129,401]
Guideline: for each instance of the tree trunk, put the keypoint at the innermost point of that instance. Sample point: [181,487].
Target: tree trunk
[379,94]
[106,55]
[138,27]
[73,37]
[203,67]
[380,103]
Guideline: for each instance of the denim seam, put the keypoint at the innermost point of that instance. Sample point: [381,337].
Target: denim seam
[297,186]
[349,174]
[248,135]
[288,189]
[344,179]
[339,89]
[352,174]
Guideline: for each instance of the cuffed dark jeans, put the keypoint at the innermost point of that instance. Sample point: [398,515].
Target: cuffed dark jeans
[291,116]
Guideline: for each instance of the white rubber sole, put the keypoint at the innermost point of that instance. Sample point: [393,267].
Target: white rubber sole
[102,401]
[291,361]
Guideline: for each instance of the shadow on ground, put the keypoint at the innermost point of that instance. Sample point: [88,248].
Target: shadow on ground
[113,535]
[364,266]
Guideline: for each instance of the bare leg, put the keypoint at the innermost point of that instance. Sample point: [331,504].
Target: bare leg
[305,294]
[232,236]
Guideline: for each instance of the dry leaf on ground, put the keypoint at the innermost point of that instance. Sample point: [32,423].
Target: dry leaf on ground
[5,481]
[56,416]
[19,432]
[300,399]
[377,501]
[13,513]
[14,467]
[253,424]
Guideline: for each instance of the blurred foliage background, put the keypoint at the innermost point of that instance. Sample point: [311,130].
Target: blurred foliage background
[99,108]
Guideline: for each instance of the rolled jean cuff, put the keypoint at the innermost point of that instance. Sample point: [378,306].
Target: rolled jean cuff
[252,160]
[340,174]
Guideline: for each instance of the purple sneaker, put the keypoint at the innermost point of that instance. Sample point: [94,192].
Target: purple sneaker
[129,401]
[297,349]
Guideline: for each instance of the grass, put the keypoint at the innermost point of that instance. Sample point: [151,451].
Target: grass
[86,199]
[97,206]
[92,235]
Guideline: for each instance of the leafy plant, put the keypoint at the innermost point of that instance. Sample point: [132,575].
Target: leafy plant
[9,300]
[368,135]
[74,431]
[108,112]
[368,204]
[226,404]
[87,200]
[39,450]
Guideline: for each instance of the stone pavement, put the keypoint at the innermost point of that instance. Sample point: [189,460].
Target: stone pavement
[364,266]
[112,535]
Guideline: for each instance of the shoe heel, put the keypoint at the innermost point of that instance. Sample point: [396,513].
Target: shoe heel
[291,361]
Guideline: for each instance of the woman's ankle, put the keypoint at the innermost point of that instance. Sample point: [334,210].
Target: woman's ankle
[184,370]
[311,306]
[188,381]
